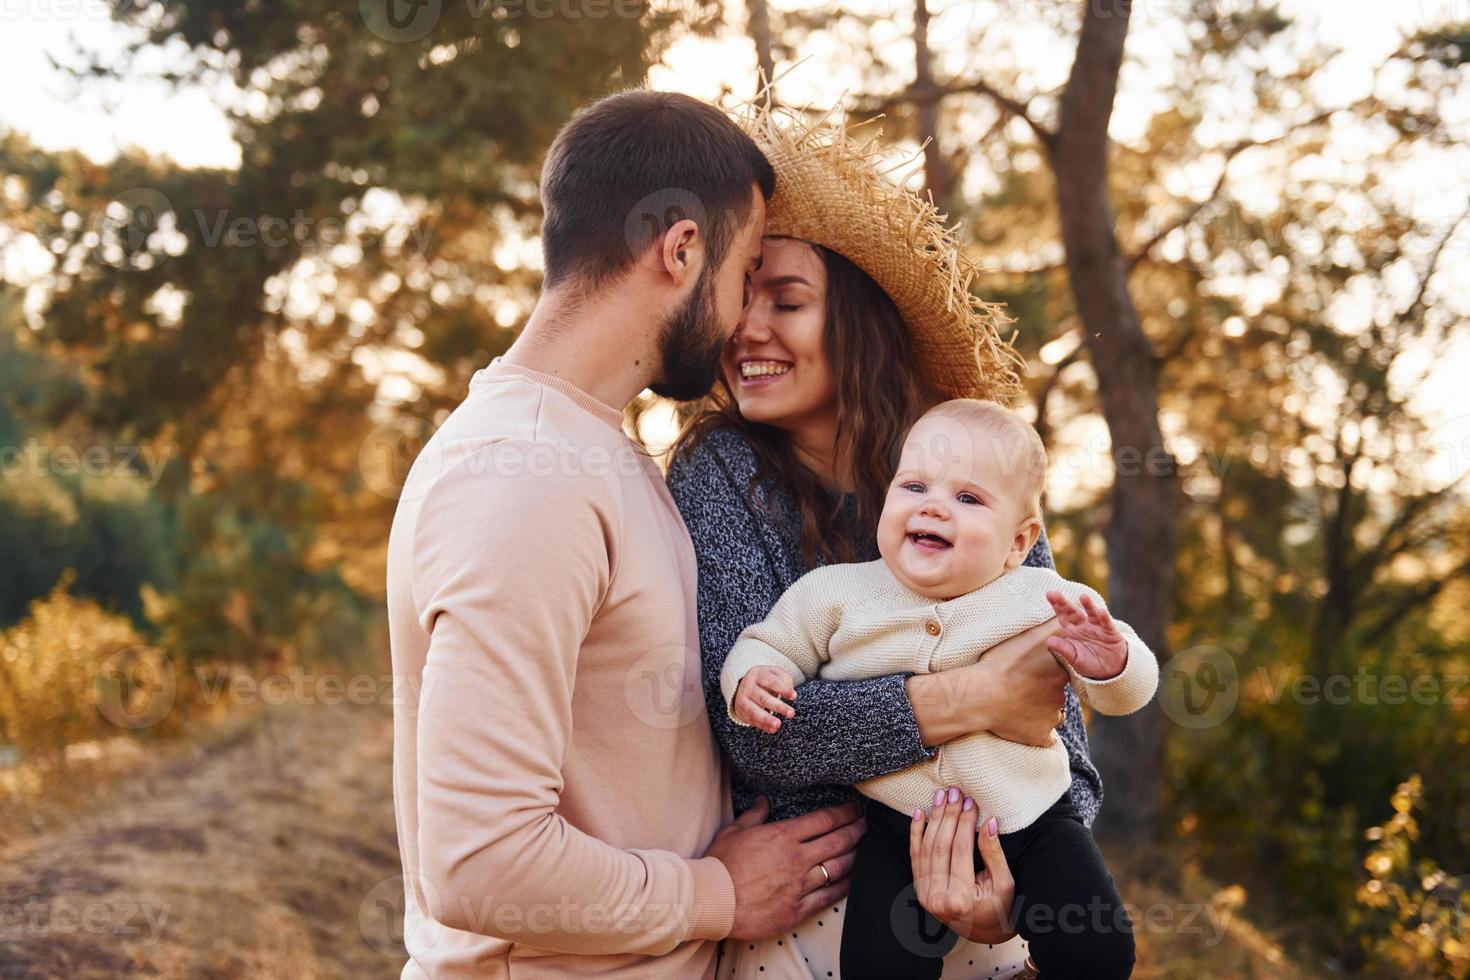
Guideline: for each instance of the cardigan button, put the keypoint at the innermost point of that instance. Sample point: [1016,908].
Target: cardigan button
[932,627]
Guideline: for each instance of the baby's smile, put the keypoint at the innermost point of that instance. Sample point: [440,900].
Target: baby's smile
[928,541]
[957,515]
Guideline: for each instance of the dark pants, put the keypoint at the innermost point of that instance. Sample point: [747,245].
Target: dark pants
[1066,906]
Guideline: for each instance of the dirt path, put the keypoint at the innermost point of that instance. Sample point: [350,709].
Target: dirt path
[268,850]
[269,853]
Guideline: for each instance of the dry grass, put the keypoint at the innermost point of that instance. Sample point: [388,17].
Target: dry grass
[1187,926]
[256,854]
[267,849]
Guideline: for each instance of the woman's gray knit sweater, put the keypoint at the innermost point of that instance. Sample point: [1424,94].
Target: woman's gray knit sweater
[844,731]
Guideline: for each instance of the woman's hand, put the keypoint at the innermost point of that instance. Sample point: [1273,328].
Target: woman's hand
[977,907]
[1016,691]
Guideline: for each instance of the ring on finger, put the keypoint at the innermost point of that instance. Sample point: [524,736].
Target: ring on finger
[826,875]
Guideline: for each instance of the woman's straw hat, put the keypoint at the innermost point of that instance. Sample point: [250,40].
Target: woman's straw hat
[830,190]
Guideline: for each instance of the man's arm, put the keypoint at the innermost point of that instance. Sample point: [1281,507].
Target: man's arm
[508,573]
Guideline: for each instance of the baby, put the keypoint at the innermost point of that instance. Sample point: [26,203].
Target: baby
[962,512]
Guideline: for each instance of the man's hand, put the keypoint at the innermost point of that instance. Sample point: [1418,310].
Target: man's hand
[1090,641]
[777,867]
[1031,684]
[1016,691]
[759,694]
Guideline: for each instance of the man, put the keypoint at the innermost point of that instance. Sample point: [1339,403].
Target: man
[559,793]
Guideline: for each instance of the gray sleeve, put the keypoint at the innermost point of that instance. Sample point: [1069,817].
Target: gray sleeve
[844,731]
[1087,788]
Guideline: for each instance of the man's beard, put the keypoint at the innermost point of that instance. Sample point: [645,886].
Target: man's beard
[690,344]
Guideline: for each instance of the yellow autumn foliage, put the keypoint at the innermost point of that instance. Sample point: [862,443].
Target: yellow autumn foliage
[69,674]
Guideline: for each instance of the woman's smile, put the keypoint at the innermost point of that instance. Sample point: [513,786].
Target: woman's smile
[757,372]
[776,362]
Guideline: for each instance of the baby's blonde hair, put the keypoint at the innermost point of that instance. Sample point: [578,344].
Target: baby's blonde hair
[1025,459]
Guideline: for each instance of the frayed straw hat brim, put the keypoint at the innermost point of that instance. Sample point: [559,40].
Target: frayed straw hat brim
[831,190]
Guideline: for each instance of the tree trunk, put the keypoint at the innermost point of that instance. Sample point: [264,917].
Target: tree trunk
[1145,503]
[759,27]
[936,167]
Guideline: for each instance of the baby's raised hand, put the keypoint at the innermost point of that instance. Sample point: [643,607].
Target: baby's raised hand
[1090,641]
[759,693]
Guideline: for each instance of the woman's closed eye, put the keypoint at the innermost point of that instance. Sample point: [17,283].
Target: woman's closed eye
[788,307]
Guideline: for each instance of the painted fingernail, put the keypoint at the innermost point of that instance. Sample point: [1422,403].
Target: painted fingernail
[969,804]
[939,797]
[954,795]
[918,814]
[990,826]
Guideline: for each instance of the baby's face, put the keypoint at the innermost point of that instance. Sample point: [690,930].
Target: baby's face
[954,519]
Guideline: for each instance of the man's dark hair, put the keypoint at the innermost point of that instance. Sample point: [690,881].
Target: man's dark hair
[631,165]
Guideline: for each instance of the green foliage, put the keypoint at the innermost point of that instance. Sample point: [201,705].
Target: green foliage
[247,596]
[60,509]
[106,528]
[123,541]
[38,520]
[31,384]
[1315,541]
[261,544]
[441,132]
[1311,544]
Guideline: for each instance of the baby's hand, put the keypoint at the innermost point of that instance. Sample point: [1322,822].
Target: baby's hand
[1090,641]
[759,693]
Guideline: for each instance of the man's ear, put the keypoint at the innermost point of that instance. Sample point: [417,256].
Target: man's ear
[1024,541]
[681,250]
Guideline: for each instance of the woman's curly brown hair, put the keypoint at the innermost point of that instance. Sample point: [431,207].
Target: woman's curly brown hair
[881,392]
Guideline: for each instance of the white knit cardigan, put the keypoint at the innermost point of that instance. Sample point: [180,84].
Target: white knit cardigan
[847,622]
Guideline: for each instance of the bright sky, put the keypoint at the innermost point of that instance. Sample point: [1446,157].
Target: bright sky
[47,105]
[188,125]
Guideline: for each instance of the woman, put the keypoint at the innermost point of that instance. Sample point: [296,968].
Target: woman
[858,320]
